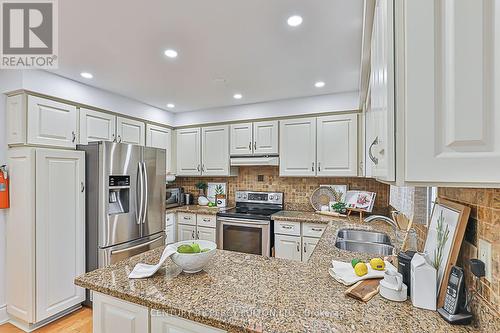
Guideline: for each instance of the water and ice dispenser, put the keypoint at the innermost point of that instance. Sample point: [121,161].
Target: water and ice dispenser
[119,195]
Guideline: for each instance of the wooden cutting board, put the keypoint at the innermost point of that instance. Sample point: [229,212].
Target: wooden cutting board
[364,290]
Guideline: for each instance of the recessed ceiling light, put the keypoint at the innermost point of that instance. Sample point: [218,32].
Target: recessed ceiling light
[171,53]
[86,75]
[170,105]
[237,96]
[294,21]
[319,84]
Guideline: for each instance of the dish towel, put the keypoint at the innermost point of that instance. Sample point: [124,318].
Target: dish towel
[142,271]
[344,273]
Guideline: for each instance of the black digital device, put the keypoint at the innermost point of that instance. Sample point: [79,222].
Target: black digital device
[454,310]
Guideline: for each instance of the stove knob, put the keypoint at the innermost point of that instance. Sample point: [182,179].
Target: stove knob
[238,195]
[271,197]
[244,196]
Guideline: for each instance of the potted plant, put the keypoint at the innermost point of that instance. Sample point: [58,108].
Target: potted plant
[201,186]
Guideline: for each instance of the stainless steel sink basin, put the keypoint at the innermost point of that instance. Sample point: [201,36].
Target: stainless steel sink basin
[366,241]
[364,236]
[366,247]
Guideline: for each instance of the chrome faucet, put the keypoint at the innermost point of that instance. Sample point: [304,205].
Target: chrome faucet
[386,219]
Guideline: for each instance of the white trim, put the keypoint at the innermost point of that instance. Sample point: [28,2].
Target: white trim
[4,317]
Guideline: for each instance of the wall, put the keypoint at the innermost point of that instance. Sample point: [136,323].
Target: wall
[8,81]
[57,86]
[290,107]
[484,223]
[297,190]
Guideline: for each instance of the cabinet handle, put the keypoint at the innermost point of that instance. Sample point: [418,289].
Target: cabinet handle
[305,247]
[298,247]
[192,235]
[119,139]
[312,167]
[319,166]
[206,220]
[187,217]
[370,154]
[255,145]
[287,227]
[250,146]
[198,168]
[82,187]
[113,137]
[197,235]
[203,167]
[73,136]
[316,229]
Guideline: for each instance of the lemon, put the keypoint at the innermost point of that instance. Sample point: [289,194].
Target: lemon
[361,269]
[377,264]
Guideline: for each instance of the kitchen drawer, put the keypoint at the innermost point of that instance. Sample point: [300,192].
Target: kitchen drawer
[206,220]
[287,228]
[186,218]
[313,229]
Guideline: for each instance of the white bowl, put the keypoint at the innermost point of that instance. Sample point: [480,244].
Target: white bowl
[194,262]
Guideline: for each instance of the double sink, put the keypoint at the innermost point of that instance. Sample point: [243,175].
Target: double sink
[372,242]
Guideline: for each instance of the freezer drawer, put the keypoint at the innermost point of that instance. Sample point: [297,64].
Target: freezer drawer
[114,254]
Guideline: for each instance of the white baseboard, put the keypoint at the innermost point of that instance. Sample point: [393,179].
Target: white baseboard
[3,314]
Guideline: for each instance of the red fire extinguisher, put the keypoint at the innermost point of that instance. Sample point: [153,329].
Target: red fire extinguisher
[4,187]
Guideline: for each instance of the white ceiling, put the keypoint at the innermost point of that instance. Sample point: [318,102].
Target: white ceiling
[247,43]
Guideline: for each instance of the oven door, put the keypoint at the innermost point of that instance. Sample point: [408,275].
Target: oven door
[244,235]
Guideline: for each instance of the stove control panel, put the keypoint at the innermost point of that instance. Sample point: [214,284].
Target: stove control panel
[259,197]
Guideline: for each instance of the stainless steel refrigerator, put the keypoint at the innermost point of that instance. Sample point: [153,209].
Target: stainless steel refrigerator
[125,201]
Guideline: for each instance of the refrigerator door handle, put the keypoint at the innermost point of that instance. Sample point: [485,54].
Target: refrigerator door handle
[145,182]
[139,205]
[135,246]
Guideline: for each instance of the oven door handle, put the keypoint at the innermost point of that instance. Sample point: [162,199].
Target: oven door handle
[241,221]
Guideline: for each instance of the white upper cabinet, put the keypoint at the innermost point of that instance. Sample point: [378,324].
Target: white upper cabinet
[160,137]
[51,123]
[381,145]
[241,139]
[188,151]
[96,126]
[265,137]
[452,101]
[130,131]
[215,150]
[337,145]
[298,147]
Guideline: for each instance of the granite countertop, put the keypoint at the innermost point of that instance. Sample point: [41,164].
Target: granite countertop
[195,209]
[299,216]
[249,293]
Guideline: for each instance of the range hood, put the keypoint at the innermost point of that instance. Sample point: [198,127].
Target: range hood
[254,160]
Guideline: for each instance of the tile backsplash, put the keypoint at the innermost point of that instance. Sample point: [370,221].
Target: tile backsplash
[297,189]
[484,223]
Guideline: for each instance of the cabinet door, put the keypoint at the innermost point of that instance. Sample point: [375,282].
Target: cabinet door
[205,233]
[308,245]
[215,151]
[241,139]
[52,123]
[382,148]
[188,152]
[130,131]
[96,126]
[170,226]
[172,324]
[60,230]
[452,100]
[287,247]
[112,315]
[160,137]
[265,137]
[337,145]
[298,147]
[186,232]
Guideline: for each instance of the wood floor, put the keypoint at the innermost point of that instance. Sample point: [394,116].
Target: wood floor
[77,322]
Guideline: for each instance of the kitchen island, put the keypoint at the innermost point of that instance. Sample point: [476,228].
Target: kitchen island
[247,293]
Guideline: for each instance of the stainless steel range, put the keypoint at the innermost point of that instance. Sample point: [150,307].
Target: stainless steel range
[247,227]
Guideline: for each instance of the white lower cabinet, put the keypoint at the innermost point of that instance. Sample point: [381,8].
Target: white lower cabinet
[296,240]
[287,247]
[171,324]
[196,226]
[111,315]
[308,245]
[170,228]
[186,232]
[45,232]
